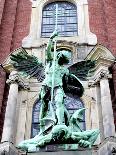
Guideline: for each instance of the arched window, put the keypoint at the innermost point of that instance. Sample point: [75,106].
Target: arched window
[35,118]
[67,19]
[72,104]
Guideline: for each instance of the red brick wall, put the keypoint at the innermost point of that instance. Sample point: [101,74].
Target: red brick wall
[22,23]
[114,81]
[1,8]
[14,26]
[102,14]
[113,90]
[6,28]
[2,84]
[3,99]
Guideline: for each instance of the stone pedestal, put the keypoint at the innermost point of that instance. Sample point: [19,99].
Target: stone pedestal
[7,148]
[86,152]
[108,147]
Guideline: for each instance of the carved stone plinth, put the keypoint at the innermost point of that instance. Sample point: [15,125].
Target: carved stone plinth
[7,148]
[107,147]
[86,152]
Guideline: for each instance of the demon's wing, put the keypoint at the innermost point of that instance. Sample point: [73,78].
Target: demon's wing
[27,64]
[77,118]
[71,83]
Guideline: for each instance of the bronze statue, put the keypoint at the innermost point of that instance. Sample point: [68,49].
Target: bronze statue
[57,80]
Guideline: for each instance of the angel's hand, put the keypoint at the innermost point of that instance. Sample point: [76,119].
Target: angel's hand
[54,34]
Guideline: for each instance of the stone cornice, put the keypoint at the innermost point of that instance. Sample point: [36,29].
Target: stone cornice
[100,51]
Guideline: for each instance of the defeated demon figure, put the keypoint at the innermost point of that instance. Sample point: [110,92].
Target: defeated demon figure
[62,134]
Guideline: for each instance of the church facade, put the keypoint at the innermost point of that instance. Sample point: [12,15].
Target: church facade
[87,32]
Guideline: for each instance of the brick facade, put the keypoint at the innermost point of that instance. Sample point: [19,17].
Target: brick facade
[14,26]
[102,14]
[113,71]
[15,18]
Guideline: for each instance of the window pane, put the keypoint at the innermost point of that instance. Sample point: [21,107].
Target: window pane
[67,19]
[35,130]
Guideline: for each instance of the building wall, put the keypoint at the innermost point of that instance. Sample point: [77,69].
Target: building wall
[102,14]
[15,18]
[15,23]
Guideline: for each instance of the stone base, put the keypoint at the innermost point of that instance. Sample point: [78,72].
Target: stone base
[63,153]
[7,148]
[108,147]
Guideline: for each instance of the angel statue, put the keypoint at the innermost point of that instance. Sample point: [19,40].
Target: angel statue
[57,82]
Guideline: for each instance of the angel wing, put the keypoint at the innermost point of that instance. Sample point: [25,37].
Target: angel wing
[82,69]
[71,83]
[27,64]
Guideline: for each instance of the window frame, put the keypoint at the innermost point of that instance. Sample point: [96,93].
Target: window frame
[67,29]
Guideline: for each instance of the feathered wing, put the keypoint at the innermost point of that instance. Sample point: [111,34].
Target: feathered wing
[82,69]
[27,64]
[71,83]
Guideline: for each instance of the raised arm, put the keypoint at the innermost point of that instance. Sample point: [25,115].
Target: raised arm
[50,45]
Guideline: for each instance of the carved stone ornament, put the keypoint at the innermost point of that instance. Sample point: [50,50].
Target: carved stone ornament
[14,77]
[102,75]
[92,84]
[105,75]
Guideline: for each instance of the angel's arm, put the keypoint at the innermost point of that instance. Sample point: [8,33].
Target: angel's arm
[50,45]
[48,50]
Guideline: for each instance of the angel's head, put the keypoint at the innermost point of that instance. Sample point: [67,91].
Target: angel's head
[63,57]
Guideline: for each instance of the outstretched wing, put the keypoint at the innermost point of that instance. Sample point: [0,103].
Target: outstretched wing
[82,69]
[28,64]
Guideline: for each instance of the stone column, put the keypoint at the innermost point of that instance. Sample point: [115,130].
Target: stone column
[107,111]
[8,129]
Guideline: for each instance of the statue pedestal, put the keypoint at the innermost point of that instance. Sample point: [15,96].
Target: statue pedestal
[62,149]
[7,148]
[108,147]
[86,152]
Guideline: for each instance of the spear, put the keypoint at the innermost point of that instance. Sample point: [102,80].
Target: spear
[53,75]
[54,58]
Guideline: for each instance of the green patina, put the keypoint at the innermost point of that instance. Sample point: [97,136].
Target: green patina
[57,82]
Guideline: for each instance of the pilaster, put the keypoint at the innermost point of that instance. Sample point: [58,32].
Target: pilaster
[106,104]
[107,111]
[10,122]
